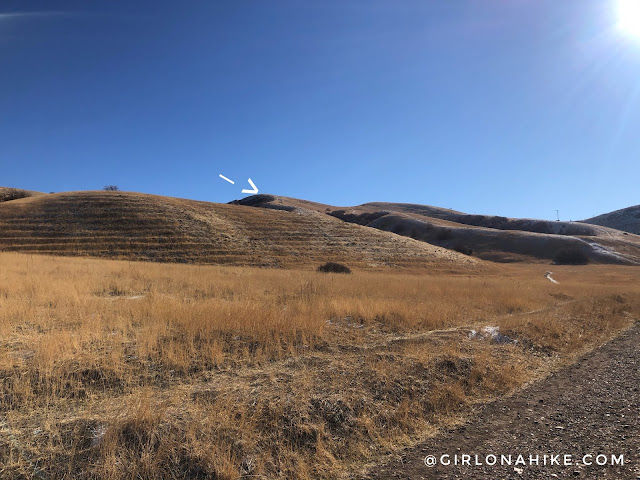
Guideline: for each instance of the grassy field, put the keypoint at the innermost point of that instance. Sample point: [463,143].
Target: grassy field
[118,369]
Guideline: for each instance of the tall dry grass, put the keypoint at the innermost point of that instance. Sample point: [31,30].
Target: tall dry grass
[134,370]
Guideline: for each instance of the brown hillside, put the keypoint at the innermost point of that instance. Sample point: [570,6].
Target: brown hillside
[148,227]
[493,238]
[626,219]
[8,193]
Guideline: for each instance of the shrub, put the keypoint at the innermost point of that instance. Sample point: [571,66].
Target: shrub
[111,188]
[332,267]
[571,256]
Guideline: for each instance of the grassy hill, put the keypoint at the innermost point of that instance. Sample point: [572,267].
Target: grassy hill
[626,219]
[123,369]
[488,237]
[7,194]
[150,227]
[287,232]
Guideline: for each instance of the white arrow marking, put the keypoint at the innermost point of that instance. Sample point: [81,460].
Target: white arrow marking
[225,178]
[255,189]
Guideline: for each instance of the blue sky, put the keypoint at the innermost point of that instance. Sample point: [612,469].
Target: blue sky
[508,107]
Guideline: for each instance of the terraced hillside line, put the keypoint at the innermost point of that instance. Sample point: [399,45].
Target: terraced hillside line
[589,408]
[149,227]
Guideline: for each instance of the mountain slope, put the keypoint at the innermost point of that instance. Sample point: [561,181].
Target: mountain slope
[625,219]
[488,237]
[149,227]
[7,194]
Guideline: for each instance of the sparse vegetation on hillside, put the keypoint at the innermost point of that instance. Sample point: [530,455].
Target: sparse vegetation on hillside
[626,219]
[8,194]
[464,249]
[13,194]
[444,234]
[130,370]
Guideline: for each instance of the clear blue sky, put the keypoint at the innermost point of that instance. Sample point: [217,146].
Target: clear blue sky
[509,107]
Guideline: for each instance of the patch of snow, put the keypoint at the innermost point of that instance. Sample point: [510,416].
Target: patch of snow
[492,334]
[98,435]
[548,276]
[122,297]
[605,251]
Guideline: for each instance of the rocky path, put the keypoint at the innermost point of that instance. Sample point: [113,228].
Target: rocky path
[590,408]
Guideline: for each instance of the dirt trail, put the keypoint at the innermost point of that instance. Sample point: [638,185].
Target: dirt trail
[591,407]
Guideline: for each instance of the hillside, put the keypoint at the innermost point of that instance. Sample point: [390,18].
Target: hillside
[292,232]
[7,194]
[488,237]
[149,227]
[625,219]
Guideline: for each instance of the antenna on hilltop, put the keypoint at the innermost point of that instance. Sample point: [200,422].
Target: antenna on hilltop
[558,215]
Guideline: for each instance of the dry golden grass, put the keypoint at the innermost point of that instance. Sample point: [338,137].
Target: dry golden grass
[150,227]
[491,238]
[116,369]
[7,194]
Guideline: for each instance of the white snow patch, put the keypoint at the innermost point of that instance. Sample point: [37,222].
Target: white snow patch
[491,333]
[548,276]
[98,434]
[605,251]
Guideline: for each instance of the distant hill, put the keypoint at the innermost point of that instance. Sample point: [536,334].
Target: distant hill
[272,231]
[150,227]
[626,219]
[488,237]
[7,194]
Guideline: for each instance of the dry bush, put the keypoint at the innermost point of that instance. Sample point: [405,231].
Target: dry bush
[571,256]
[333,267]
[134,370]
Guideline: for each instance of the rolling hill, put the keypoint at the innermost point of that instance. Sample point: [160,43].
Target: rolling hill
[150,227]
[492,238]
[625,219]
[7,194]
[284,232]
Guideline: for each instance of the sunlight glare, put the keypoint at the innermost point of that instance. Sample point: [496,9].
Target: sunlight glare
[629,17]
